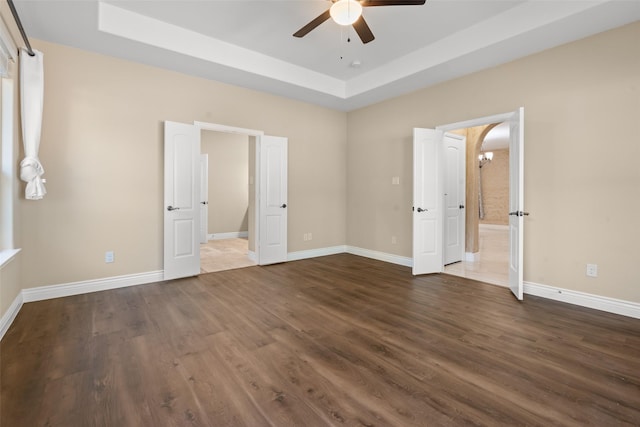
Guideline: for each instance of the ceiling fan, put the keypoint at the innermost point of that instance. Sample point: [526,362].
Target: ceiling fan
[349,12]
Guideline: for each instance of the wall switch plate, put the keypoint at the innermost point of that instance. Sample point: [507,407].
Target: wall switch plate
[393,240]
[395,180]
[108,257]
[592,270]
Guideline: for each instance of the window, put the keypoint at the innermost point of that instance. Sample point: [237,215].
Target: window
[8,175]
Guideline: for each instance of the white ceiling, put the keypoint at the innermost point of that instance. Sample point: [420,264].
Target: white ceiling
[249,43]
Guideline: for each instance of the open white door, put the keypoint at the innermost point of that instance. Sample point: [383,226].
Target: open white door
[427,201]
[181,200]
[273,200]
[454,197]
[516,201]
[204,198]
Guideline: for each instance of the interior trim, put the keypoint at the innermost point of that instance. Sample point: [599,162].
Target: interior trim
[583,299]
[84,287]
[7,255]
[10,315]
[610,305]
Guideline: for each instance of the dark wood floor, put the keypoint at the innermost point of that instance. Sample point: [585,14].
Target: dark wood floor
[338,340]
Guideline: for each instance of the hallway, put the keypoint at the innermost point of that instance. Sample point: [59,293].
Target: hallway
[224,254]
[492,262]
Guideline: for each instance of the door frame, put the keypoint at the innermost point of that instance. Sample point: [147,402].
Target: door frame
[481,121]
[204,198]
[258,134]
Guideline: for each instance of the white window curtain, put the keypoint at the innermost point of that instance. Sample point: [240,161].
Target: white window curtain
[31,96]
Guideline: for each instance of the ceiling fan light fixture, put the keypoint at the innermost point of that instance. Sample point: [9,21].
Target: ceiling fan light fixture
[345,12]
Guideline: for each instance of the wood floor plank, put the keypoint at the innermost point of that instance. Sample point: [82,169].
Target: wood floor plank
[279,405]
[333,341]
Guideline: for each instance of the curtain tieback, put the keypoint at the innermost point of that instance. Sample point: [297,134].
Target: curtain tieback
[31,172]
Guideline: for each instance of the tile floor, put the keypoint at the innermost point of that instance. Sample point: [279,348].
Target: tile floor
[492,263]
[225,254]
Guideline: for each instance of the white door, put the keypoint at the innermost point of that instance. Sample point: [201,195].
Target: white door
[204,198]
[427,201]
[516,201]
[454,197]
[181,200]
[273,200]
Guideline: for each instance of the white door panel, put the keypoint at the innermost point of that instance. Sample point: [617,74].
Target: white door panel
[455,177]
[273,201]
[181,200]
[183,230]
[427,201]
[516,202]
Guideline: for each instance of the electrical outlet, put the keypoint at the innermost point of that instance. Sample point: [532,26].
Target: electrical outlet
[592,270]
[108,257]
[310,236]
[393,240]
[305,237]
[395,180]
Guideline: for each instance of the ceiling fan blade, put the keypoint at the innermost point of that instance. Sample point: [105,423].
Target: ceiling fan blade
[363,30]
[312,25]
[371,3]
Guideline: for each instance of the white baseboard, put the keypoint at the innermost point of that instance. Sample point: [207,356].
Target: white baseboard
[10,315]
[381,256]
[87,286]
[611,305]
[229,235]
[583,299]
[312,253]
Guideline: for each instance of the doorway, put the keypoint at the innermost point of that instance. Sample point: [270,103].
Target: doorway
[226,201]
[429,173]
[182,197]
[487,255]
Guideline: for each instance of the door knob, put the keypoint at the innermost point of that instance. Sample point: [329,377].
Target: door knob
[519,213]
[461,206]
[422,210]
[284,205]
[204,203]
[171,208]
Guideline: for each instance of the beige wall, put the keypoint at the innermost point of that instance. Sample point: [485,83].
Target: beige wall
[495,189]
[228,181]
[102,150]
[582,103]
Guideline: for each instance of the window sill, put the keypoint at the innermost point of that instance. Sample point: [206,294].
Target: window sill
[7,255]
